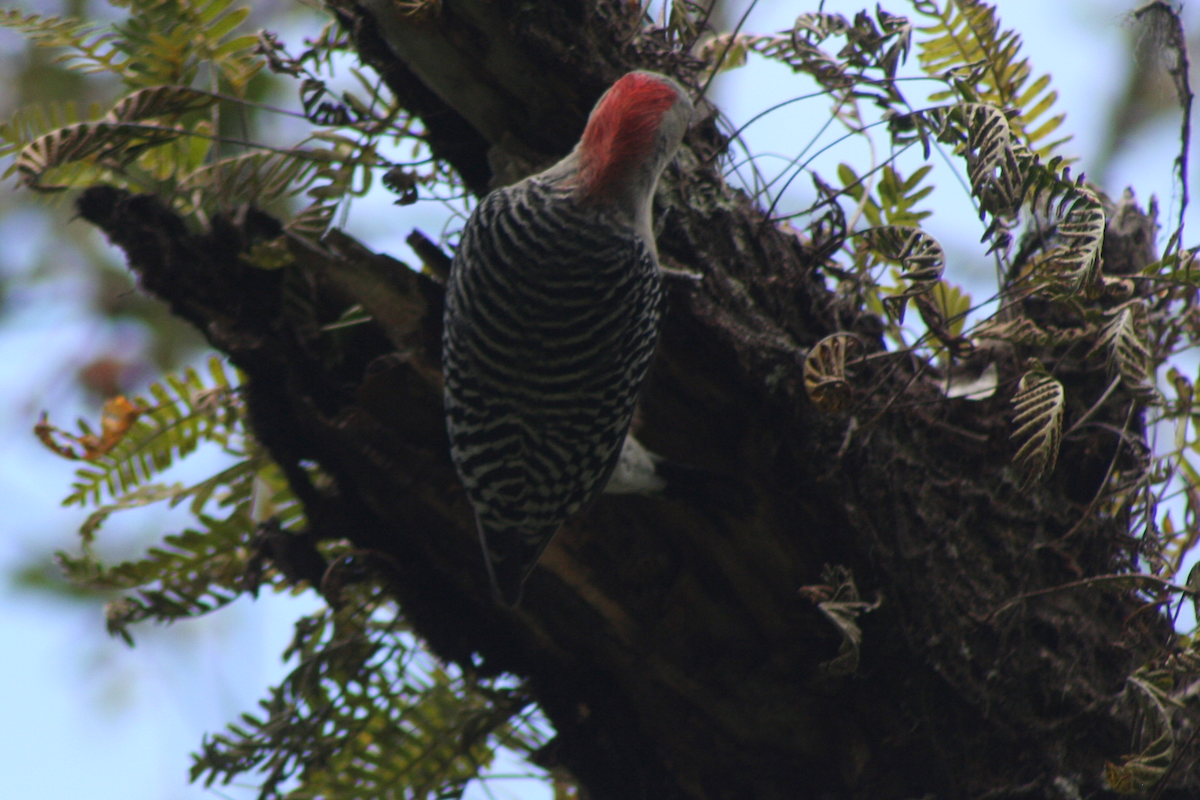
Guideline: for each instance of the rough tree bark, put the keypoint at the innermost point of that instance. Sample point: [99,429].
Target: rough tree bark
[668,640]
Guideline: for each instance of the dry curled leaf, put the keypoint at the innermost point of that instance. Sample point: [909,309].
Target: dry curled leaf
[838,599]
[159,101]
[117,416]
[825,373]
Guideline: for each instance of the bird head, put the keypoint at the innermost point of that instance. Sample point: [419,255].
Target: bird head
[631,135]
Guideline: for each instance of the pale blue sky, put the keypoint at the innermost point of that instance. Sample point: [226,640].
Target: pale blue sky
[86,717]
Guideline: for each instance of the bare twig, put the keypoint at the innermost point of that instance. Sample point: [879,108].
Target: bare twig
[1098,580]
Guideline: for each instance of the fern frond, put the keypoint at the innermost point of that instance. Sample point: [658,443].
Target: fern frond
[146,495]
[966,43]
[981,134]
[261,178]
[944,311]
[92,143]
[1125,340]
[191,574]
[1141,771]
[1039,403]
[53,137]
[897,195]
[1005,176]
[118,138]
[919,256]
[159,101]
[168,43]
[1024,331]
[31,122]
[1079,218]
[361,716]
[868,47]
[93,50]
[825,373]
[312,222]
[184,413]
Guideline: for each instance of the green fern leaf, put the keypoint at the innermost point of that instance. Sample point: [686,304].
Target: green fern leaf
[1141,771]
[388,725]
[966,39]
[981,134]
[312,222]
[141,496]
[184,413]
[92,49]
[1080,219]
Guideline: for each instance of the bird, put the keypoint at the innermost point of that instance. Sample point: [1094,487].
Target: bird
[552,314]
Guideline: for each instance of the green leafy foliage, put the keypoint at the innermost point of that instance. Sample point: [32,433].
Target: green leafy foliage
[944,311]
[183,413]
[366,714]
[982,64]
[896,195]
[165,136]
[198,570]
[90,48]
[866,65]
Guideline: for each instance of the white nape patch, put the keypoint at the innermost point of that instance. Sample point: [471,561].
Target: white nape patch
[634,473]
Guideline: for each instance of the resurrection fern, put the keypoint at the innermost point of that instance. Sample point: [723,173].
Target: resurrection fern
[188,575]
[866,65]
[944,311]
[1038,403]
[1006,177]
[159,43]
[1124,341]
[263,178]
[1152,692]
[825,372]
[1079,219]
[919,256]
[184,68]
[891,203]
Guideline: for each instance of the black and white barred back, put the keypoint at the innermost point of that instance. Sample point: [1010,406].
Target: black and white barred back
[550,328]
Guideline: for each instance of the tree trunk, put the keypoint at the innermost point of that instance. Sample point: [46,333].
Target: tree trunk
[669,640]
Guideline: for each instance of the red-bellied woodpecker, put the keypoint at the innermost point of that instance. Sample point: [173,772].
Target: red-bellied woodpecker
[552,316]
